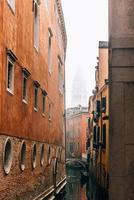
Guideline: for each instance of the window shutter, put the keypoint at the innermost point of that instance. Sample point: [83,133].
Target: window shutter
[104,137]
[94,136]
[98,107]
[103,105]
[98,135]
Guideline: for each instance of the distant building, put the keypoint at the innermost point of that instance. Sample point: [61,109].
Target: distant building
[98,135]
[76,132]
[32,70]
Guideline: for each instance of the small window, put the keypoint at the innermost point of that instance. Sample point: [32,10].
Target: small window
[49,156]
[23,156]
[11,58]
[60,75]
[98,107]
[42,155]
[44,101]
[36,25]
[36,87]
[104,136]
[7,156]
[10,75]
[11,3]
[49,50]
[35,98]
[103,105]
[34,154]
[26,74]
[50,111]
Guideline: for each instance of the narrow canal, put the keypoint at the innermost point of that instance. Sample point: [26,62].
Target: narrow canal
[78,189]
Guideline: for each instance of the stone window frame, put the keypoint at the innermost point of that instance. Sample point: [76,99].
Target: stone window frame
[44,94]
[11,59]
[36,91]
[7,155]
[25,74]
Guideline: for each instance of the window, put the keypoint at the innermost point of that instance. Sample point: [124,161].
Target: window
[26,74]
[104,136]
[11,3]
[36,97]
[10,75]
[49,50]
[96,137]
[42,155]
[11,58]
[36,24]
[50,111]
[98,107]
[36,86]
[49,156]
[7,156]
[23,156]
[34,155]
[44,101]
[60,75]
[103,105]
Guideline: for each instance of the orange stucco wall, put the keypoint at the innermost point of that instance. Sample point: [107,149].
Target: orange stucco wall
[19,119]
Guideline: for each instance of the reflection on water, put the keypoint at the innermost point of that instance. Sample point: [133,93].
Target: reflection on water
[76,190]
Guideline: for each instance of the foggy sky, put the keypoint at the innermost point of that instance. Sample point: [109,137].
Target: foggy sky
[86,24]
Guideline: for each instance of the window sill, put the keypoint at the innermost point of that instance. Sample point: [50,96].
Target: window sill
[24,101]
[36,49]
[50,72]
[50,120]
[44,115]
[10,91]
[35,109]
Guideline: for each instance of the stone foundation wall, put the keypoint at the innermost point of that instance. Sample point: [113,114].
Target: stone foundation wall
[31,182]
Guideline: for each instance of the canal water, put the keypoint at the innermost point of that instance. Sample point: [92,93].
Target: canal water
[78,189]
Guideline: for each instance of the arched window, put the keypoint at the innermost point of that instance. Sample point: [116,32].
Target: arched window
[34,155]
[49,155]
[7,156]
[42,155]
[23,156]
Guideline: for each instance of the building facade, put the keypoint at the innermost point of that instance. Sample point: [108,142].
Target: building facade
[32,70]
[99,120]
[76,132]
[121,100]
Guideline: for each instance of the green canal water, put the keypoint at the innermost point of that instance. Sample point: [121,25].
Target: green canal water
[78,189]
